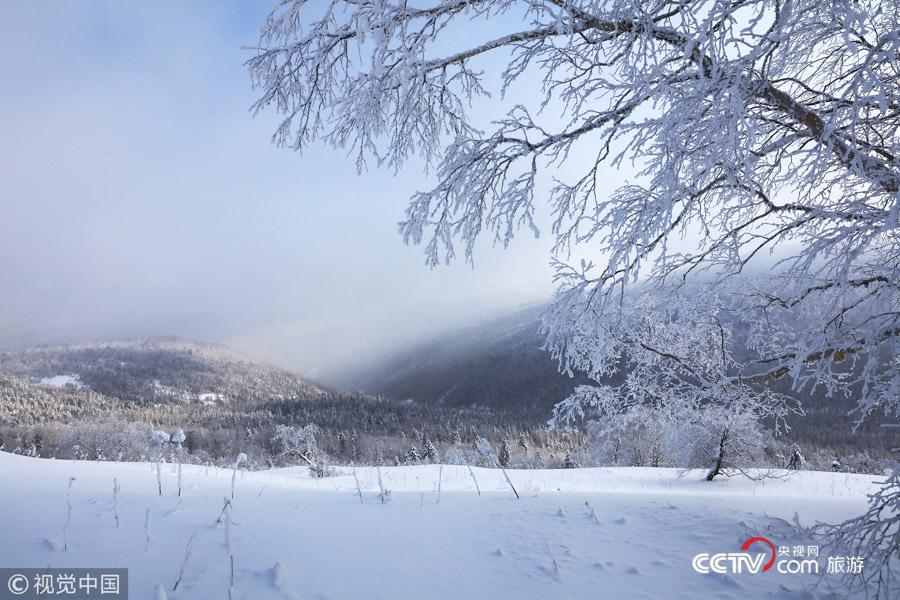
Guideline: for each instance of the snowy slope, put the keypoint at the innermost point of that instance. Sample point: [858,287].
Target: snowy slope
[328,545]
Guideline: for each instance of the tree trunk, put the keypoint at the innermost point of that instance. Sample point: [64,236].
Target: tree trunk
[720,459]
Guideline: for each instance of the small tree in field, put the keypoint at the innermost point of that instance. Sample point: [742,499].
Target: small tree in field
[301,442]
[430,452]
[795,460]
[503,457]
[758,128]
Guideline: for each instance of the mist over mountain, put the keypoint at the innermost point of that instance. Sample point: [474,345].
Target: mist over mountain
[498,363]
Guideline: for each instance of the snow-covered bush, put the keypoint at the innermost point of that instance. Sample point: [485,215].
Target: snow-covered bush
[113,438]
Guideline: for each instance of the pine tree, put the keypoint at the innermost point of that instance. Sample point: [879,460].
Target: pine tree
[504,453]
[796,460]
[569,462]
[412,455]
[430,451]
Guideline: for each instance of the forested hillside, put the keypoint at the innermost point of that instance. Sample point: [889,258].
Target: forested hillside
[500,363]
[102,401]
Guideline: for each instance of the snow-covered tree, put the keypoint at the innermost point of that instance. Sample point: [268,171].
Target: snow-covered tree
[483,447]
[632,437]
[503,456]
[755,237]
[429,451]
[723,440]
[412,455]
[523,443]
[795,461]
[756,127]
[301,442]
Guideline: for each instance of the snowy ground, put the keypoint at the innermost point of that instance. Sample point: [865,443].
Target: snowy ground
[649,525]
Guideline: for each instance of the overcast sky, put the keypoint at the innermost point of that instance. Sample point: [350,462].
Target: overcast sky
[139,197]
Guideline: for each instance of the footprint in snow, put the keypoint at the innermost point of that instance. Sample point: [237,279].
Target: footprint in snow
[498,552]
[52,545]
[621,521]
[633,570]
[560,513]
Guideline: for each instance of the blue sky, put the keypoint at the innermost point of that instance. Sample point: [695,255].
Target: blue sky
[139,197]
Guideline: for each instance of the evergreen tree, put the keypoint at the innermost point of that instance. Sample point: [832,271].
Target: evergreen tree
[430,451]
[504,453]
[569,462]
[412,455]
[796,460]
[523,443]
